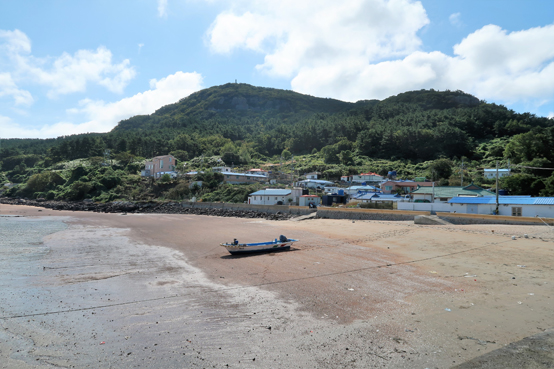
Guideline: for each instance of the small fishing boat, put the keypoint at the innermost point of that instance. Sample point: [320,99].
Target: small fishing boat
[282,243]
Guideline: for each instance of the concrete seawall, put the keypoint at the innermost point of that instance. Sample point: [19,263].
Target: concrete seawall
[370,214]
[457,218]
[367,214]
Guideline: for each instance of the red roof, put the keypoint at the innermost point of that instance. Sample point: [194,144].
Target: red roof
[369,174]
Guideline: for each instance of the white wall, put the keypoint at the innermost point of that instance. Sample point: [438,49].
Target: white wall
[424,206]
[544,211]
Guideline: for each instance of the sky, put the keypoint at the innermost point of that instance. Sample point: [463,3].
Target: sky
[70,66]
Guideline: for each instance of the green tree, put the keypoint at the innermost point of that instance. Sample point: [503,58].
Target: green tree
[440,168]
[346,157]
[286,154]
[523,184]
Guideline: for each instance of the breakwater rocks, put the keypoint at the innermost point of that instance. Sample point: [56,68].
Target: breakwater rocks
[143,207]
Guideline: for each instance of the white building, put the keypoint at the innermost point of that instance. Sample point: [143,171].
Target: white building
[491,173]
[354,190]
[369,177]
[240,178]
[306,200]
[222,169]
[380,197]
[275,197]
[260,172]
[314,183]
[312,175]
[517,206]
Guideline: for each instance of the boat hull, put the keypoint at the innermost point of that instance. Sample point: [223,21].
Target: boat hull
[250,248]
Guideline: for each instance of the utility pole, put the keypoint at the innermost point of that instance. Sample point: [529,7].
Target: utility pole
[462,173]
[292,171]
[497,187]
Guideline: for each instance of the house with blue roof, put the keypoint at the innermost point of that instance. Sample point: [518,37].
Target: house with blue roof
[314,183]
[380,197]
[517,206]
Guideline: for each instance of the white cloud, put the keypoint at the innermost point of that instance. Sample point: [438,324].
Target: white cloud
[551,115]
[9,88]
[455,19]
[301,35]
[100,116]
[62,75]
[162,8]
[358,49]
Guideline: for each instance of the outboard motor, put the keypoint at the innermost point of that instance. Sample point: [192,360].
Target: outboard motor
[283,238]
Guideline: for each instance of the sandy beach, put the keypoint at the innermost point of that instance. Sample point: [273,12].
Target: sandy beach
[155,290]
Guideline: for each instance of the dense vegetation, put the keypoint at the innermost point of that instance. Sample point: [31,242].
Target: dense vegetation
[418,133]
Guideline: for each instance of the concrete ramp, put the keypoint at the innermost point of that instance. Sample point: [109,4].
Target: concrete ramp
[429,220]
[304,217]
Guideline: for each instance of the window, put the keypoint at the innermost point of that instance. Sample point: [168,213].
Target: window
[516,211]
[170,160]
[388,188]
[228,177]
[275,198]
[237,177]
[161,164]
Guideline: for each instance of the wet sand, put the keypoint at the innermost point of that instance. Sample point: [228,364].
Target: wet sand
[156,290]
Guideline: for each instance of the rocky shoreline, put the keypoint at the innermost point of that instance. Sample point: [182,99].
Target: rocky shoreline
[142,208]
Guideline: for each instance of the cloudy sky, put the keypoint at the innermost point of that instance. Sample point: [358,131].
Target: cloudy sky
[70,67]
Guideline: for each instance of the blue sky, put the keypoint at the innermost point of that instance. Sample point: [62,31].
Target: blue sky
[70,67]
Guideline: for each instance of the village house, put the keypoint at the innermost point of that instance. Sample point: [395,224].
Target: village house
[379,197]
[159,166]
[309,200]
[517,206]
[491,173]
[314,183]
[243,178]
[369,177]
[222,169]
[354,190]
[391,187]
[260,172]
[312,175]
[275,196]
[445,193]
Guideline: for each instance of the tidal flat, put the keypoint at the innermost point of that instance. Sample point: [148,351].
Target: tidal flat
[152,290]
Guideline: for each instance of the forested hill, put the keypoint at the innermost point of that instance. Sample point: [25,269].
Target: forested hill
[236,101]
[246,122]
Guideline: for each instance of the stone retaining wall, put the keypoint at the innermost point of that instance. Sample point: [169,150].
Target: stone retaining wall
[268,209]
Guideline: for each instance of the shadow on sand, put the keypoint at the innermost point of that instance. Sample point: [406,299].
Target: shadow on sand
[259,253]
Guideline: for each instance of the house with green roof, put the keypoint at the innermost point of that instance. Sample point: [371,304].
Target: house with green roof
[445,193]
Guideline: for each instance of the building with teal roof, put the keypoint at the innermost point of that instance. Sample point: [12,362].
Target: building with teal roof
[445,193]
